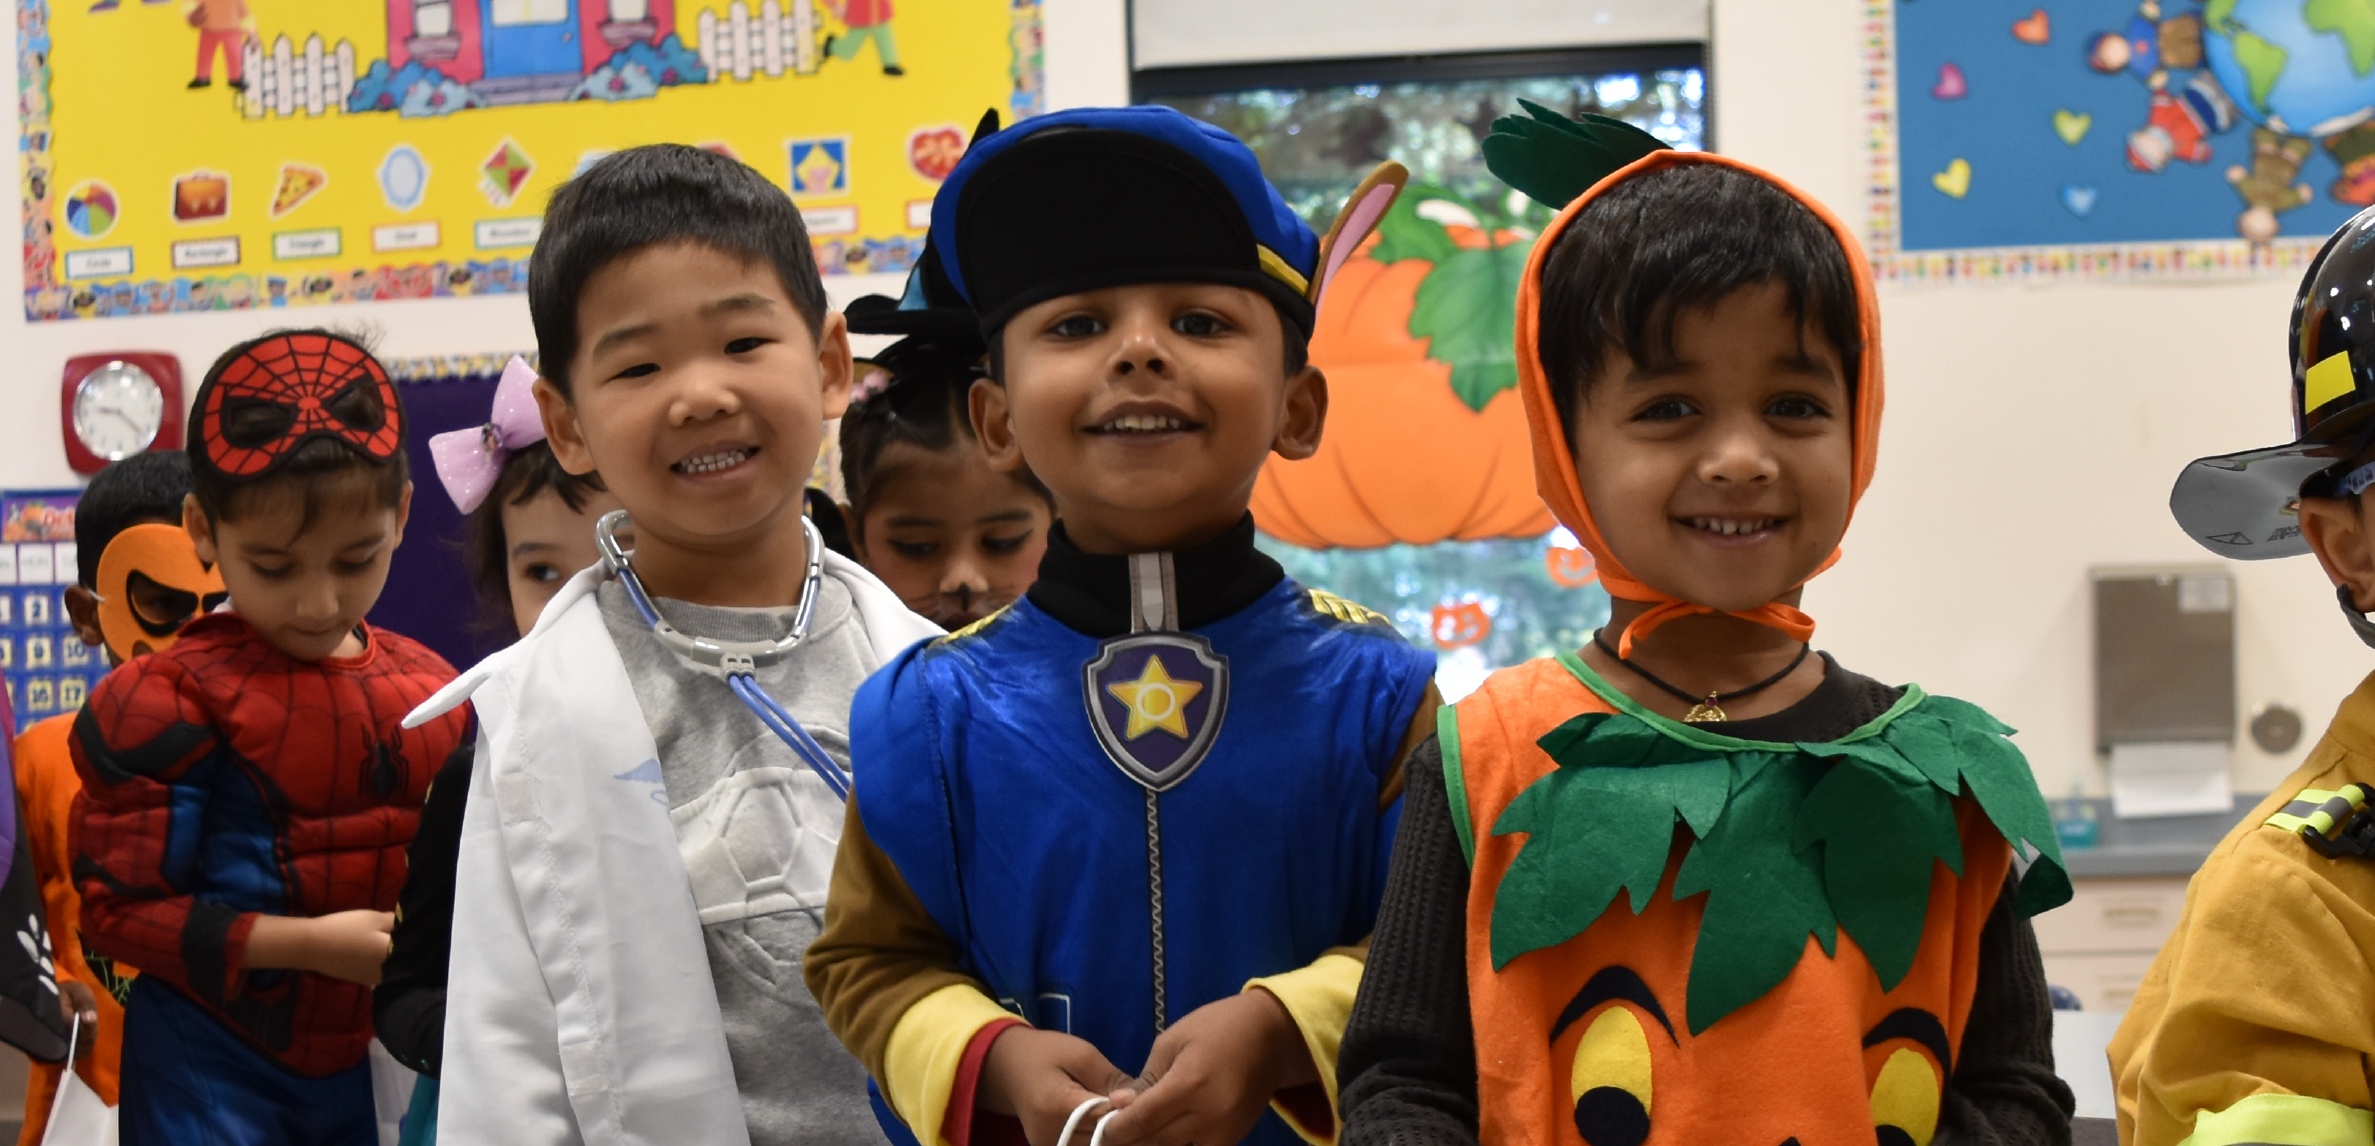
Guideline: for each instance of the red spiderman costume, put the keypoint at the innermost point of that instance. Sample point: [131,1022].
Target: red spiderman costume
[227,778]
[223,778]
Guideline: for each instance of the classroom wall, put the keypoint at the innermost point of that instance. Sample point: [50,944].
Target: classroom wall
[2032,432]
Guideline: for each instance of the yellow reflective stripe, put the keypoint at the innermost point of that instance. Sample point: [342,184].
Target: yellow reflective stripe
[2326,381]
[2283,1120]
[2319,810]
[1277,268]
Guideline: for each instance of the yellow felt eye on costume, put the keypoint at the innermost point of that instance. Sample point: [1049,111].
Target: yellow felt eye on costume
[1905,1099]
[1611,1080]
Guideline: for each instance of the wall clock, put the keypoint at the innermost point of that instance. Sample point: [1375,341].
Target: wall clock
[112,406]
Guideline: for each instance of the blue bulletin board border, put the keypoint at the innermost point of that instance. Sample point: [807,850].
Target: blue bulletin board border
[2206,259]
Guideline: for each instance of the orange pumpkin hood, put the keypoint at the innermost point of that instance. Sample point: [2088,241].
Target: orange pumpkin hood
[1554,460]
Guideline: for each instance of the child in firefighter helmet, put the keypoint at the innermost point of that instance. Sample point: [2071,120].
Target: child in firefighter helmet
[2228,1041]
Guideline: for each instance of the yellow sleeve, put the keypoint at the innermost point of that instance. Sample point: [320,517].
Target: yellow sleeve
[925,1050]
[1319,1000]
[2257,1021]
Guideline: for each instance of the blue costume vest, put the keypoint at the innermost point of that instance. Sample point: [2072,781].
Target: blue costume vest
[981,775]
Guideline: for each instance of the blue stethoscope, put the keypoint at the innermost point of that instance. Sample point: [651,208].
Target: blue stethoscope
[736,661]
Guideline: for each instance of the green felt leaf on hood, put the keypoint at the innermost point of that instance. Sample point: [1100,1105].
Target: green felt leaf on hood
[1553,158]
[1763,899]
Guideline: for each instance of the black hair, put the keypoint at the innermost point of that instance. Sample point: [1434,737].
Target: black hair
[141,488]
[1297,348]
[924,406]
[654,195]
[529,471]
[1678,239]
[324,469]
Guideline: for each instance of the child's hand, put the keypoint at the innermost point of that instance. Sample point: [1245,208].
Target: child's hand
[83,1006]
[1041,1077]
[347,945]
[1210,1076]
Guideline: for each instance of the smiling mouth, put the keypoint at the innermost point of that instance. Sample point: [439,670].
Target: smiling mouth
[1732,526]
[712,463]
[1145,424]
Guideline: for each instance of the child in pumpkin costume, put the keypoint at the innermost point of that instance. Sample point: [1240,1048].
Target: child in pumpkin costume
[1793,921]
[2256,1021]
[1136,823]
[139,580]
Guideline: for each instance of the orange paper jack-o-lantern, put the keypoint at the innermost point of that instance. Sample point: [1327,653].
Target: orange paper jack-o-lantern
[1426,436]
[1458,626]
[1570,568]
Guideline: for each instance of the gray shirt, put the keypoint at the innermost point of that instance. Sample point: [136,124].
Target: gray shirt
[798,1084]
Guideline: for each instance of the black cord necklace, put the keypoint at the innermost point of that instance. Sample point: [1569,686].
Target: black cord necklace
[1710,710]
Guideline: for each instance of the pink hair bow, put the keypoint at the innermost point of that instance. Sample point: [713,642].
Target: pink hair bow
[469,461]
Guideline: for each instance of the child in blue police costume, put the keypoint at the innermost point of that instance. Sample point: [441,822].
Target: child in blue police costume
[1120,845]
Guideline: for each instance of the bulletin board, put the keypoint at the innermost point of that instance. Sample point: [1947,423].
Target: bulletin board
[2115,139]
[396,149]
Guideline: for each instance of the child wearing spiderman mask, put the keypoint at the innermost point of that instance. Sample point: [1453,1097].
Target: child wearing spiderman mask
[248,793]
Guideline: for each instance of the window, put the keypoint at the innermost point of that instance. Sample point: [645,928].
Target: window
[1318,128]
[433,19]
[508,13]
[629,11]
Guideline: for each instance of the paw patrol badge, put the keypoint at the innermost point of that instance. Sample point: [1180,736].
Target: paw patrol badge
[1156,700]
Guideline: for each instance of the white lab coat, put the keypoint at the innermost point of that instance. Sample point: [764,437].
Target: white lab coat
[579,1007]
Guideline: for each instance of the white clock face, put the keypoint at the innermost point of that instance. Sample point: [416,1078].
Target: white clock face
[118,409]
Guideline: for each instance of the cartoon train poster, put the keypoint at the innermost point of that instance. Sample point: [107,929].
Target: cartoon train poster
[2120,136]
[188,155]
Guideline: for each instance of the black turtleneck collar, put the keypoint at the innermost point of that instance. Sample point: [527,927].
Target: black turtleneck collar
[1090,592]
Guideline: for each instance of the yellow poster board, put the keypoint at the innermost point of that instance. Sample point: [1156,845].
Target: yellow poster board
[187,155]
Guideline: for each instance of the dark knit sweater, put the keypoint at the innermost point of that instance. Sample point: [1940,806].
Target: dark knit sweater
[1407,1071]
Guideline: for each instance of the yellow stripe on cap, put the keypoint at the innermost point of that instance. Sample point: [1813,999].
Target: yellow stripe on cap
[1276,268]
[2329,379]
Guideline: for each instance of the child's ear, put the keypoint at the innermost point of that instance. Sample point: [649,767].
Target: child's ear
[561,430]
[403,515]
[834,368]
[986,402]
[201,530]
[1305,416]
[2336,529]
[82,609]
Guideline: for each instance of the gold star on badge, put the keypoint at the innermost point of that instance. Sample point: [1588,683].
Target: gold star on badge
[1155,701]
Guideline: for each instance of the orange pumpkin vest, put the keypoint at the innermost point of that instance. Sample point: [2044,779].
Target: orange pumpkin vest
[1822,1058]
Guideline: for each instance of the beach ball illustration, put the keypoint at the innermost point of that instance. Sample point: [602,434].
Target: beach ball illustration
[91,210]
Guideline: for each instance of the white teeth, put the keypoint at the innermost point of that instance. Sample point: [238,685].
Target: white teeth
[711,463]
[1730,526]
[1142,423]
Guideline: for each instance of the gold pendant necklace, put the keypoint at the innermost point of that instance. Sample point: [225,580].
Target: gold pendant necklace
[1710,710]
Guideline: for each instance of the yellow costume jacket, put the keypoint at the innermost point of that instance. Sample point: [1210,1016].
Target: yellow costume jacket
[2257,1022]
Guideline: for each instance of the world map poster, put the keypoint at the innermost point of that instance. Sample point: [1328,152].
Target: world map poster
[194,155]
[2116,138]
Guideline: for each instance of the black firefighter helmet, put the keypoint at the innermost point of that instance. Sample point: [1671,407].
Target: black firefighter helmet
[2246,505]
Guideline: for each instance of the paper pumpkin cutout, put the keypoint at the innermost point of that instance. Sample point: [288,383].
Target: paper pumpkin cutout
[1426,437]
[1459,625]
[1570,568]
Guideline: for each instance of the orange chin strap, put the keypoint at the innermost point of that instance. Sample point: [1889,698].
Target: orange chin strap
[1554,461]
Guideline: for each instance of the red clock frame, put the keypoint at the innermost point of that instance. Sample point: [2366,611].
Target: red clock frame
[165,368]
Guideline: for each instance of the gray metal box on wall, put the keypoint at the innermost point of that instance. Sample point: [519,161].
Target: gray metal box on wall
[2164,656]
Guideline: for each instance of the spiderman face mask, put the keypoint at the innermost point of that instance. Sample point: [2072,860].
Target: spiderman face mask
[290,389]
[151,583]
